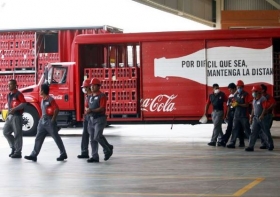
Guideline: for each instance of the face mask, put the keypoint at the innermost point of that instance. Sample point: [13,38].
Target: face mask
[239,90]
[84,90]
[254,94]
[216,91]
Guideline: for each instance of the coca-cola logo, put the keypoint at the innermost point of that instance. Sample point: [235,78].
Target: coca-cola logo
[162,102]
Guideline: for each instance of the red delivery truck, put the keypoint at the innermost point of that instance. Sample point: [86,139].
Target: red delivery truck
[159,77]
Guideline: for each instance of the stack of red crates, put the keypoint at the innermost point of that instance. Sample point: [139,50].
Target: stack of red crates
[6,51]
[24,50]
[120,86]
[124,91]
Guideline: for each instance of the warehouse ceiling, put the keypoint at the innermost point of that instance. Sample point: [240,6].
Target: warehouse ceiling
[208,12]
[202,11]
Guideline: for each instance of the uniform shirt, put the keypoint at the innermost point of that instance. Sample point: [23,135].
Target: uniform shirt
[241,98]
[259,105]
[15,95]
[270,101]
[217,100]
[48,102]
[96,101]
[230,101]
[87,97]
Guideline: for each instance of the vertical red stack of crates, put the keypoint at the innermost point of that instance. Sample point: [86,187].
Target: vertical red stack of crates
[124,91]
[6,64]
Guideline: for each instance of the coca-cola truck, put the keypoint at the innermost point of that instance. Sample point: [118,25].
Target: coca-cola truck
[159,77]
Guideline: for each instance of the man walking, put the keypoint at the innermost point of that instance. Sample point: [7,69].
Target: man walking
[229,118]
[268,118]
[97,122]
[85,135]
[241,114]
[47,124]
[13,124]
[217,98]
[257,119]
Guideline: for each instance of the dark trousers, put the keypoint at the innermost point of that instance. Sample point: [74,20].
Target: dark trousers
[268,120]
[85,137]
[13,124]
[258,127]
[228,132]
[46,126]
[95,129]
[239,123]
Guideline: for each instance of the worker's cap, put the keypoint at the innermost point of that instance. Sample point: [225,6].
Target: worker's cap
[256,89]
[95,81]
[86,83]
[240,83]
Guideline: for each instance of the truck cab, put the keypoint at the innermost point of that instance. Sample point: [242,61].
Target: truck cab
[59,76]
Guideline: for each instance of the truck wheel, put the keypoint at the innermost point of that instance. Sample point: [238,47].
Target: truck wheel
[30,118]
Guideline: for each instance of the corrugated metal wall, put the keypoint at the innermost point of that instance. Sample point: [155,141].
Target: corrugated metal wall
[248,5]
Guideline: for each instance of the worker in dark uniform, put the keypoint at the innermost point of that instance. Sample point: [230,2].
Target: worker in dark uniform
[229,119]
[13,124]
[85,136]
[217,98]
[47,125]
[268,118]
[257,118]
[97,122]
[241,114]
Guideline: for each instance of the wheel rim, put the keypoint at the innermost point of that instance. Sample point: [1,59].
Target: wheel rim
[28,121]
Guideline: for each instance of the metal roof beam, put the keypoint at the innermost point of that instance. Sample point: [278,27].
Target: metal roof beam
[176,12]
[272,2]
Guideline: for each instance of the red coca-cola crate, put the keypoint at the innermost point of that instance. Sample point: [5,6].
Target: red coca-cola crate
[123,73]
[105,84]
[99,73]
[8,53]
[133,72]
[123,95]
[116,108]
[130,107]
[6,64]
[22,44]
[130,83]
[7,36]
[4,45]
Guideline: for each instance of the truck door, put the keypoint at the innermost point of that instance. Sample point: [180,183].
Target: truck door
[59,86]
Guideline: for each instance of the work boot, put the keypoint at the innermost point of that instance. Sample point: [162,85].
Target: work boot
[249,149]
[92,160]
[32,158]
[241,145]
[222,143]
[111,147]
[13,151]
[108,155]
[61,157]
[230,146]
[83,156]
[212,144]
[270,148]
[263,147]
[16,156]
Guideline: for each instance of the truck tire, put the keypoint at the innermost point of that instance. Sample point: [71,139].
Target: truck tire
[30,118]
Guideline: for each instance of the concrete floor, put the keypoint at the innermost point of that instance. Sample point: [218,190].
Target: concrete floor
[148,160]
